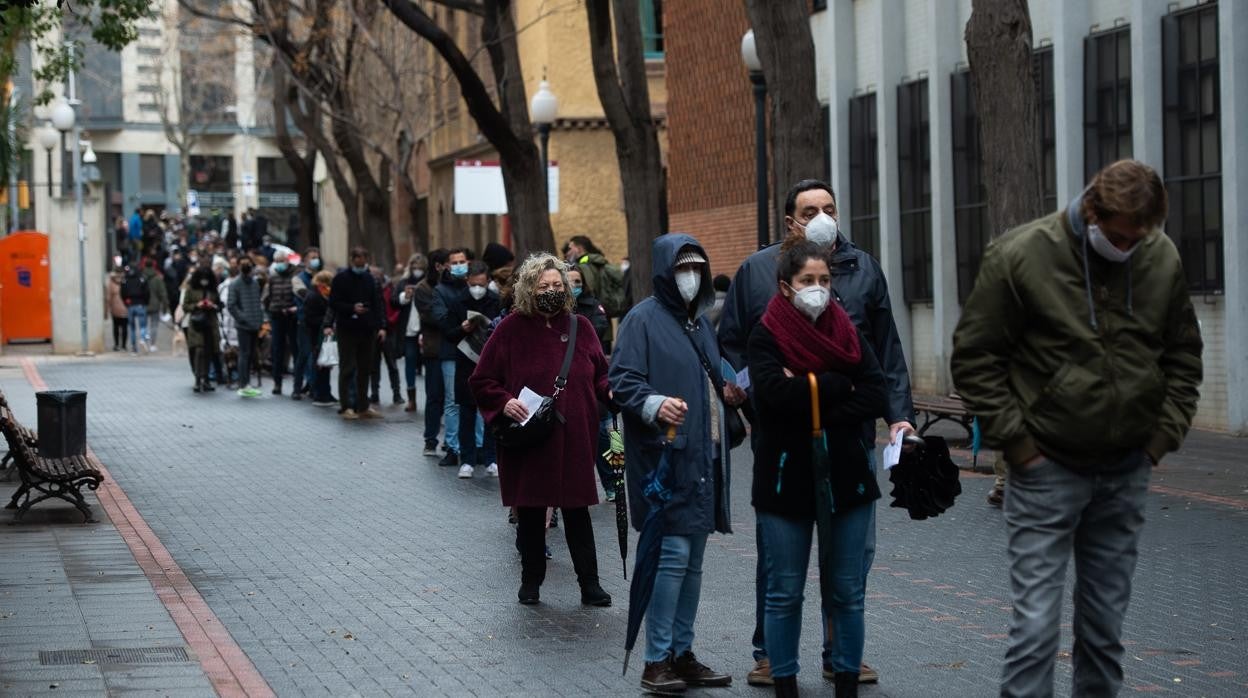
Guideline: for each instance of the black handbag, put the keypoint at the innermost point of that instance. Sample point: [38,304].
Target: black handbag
[514,436]
[199,319]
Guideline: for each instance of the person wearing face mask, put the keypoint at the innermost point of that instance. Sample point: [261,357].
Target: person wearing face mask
[483,304]
[665,375]
[202,304]
[527,350]
[448,313]
[387,347]
[804,336]
[859,285]
[358,324]
[1080,353]
[431,350]
[244,307]
[280,308]
[315,308]
[403,299]
[305,360]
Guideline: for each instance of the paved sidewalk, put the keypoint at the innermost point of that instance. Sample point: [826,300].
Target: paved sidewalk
[344,563]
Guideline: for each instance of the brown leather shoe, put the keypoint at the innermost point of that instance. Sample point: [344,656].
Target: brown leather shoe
[760,675]
[695,673]
[997,497]
[660,679]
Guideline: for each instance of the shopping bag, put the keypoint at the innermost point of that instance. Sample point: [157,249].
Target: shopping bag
[329,354]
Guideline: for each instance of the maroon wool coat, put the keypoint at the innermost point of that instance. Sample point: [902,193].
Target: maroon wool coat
[521,352]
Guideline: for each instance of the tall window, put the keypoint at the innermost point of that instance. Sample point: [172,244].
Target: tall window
[652,27]
[1193,142]
[864,175]
[1106,99]
[915,165]
[1042,67]
[970,197]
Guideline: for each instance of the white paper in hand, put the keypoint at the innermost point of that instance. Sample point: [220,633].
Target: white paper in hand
[531,402]
[892,452]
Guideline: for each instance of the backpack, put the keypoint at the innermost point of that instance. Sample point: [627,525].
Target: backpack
[134,290]
[610,290]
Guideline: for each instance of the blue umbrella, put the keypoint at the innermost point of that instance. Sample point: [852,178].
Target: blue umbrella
[646,561]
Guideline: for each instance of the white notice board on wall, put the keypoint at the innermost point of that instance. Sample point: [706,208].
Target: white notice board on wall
[479,187]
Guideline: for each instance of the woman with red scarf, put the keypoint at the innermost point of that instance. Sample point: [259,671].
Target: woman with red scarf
[803,332]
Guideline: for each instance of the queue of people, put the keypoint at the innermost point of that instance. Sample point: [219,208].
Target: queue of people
[525,372]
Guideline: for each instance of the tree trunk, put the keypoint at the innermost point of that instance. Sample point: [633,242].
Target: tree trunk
[787,52]
[374,197]
[184,174]
[302,166]
[508,129]
[310,123]
[418,234]
[620,76]
[998,46]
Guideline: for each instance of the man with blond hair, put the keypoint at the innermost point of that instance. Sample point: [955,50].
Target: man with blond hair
[1080,353]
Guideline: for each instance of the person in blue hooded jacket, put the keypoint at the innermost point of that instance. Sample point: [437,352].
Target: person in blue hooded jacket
[664,372]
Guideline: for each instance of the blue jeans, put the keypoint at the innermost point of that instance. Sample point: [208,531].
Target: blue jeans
[760,584]
[138,319]
[153,325]
[478,450]
[450,410]
[435,401]
[786,545]
[674,605]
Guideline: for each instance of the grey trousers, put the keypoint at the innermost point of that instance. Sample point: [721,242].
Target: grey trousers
[1051,512]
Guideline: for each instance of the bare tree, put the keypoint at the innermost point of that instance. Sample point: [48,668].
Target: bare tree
[505,125]
[302,165]
[998,44]
[620,75]
[193,87]
[787,52]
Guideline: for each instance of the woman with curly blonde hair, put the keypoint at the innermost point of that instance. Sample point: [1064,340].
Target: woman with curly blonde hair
[526,351]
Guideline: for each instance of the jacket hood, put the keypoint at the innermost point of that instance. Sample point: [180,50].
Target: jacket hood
[666,249]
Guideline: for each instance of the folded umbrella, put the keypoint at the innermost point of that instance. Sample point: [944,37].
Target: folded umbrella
[825,505]
[615,458]
[649,543]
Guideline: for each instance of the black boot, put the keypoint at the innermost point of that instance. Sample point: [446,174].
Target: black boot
[199,385]
[786,686]
[846,684]
[530,541]
[579,533]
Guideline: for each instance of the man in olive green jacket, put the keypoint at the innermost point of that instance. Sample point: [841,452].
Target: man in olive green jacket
[1080,353]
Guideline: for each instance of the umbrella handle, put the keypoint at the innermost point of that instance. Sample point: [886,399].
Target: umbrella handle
[671,433]
[816,425]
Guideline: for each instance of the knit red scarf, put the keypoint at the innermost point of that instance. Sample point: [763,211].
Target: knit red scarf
[829,344]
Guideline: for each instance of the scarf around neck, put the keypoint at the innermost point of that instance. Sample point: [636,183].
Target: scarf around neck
[829,344]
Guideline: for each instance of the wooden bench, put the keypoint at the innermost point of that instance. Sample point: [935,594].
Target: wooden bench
[28,435]
[935,409]
[46,478]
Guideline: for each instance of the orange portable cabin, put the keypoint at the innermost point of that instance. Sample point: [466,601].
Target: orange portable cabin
[25,288]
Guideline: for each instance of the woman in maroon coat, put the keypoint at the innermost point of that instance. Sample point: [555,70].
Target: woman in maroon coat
[527,350]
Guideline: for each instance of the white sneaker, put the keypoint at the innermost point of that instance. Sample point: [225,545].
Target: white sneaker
[466,471]
[492,471]
[151,348]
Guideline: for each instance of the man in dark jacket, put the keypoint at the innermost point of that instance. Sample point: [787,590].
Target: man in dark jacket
[278,301]
[244,306]
[858,284]
[1080,353]
[136,295]
[449,313]
[431,349]
[665,375]
[358,324]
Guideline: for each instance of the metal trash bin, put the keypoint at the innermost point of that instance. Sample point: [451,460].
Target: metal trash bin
[62,416]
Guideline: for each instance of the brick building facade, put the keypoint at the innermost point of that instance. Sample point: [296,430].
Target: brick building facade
[710,107]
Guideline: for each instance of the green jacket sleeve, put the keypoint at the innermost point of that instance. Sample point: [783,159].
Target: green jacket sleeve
[992,322]
[1180,363]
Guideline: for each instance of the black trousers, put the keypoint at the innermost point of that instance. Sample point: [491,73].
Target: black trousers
[204,357]
[355,357]
[531,540]
[121,327]
[388,350]
[248,357]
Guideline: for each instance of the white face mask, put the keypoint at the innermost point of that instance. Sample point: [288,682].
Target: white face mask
[812,301]
[1105,248]
[688,282]
[821,229]
[493,286]
[477,292]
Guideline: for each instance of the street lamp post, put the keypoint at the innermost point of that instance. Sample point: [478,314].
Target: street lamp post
[65,118]
[750,55]
[542,110]
[47,139]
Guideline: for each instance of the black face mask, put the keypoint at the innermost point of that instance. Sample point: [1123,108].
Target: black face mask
[551,302]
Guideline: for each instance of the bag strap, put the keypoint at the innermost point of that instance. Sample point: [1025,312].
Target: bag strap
[562,380]
[816,426]
[706,363]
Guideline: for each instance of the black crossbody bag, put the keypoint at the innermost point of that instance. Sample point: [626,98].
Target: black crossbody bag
[513,435]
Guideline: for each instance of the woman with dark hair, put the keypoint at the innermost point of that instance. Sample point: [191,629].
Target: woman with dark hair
[807,346]
[202,305]
[527,350]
